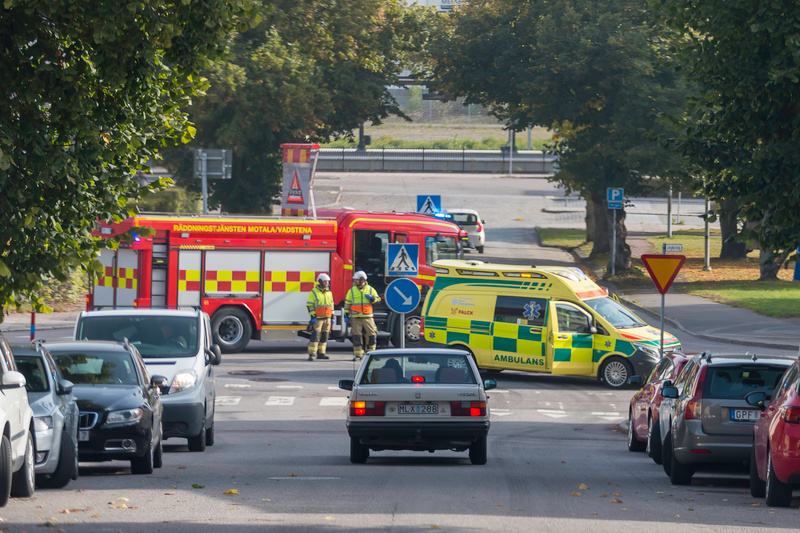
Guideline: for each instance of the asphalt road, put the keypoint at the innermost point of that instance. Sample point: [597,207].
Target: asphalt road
[557,455]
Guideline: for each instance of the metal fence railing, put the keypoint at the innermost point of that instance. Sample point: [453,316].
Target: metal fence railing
[430,160]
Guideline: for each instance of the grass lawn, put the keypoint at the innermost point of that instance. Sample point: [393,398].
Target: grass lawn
[730,281]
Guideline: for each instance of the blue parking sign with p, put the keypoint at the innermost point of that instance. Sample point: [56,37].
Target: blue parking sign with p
[615,194]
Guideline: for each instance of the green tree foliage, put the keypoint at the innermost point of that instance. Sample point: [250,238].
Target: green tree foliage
[312,70]
[91,91]
[595,72]
[743,127]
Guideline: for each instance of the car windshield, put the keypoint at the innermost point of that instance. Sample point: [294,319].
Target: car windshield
[465,219]
[615,313]
[443,248]
[97,368]
[33,370]
[153,335]
[418,368]
[729,382]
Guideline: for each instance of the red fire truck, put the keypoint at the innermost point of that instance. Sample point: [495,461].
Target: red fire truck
[252,275]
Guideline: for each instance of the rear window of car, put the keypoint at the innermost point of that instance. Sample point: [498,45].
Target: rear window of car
[733,382]
[108,368]
[467,219]
[418,368]
[153,336]
[35,374]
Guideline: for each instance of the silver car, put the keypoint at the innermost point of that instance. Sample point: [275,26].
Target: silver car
[704,417]
[55,416]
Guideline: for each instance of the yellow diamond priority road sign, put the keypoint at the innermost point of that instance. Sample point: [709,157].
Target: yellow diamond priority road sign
[663,269]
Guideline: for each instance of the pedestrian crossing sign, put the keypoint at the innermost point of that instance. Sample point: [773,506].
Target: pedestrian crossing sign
[402,259]
[428,204]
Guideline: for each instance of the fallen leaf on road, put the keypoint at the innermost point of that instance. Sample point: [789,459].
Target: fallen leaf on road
[623,509]
[499,505]
[328,518]
[583,486]
[434,527]
[67,511]
[196,486]
[181,468]
[575,494]
[231,492]
[95,516]
[169,494]
[265,500]
[616,494]
[756,504]
[615,501]
[292,475]
[603,496]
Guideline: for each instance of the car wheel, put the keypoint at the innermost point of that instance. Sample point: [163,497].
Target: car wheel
[5,470]
[144,464]
[64,469]
[410,328]
[198,443]
[614,372]
[778,493]
[758,488]
[231,329]
[679,473]
[210,435]
[158,455]
[23,482]
[654,440]
[634,445]
[666,453]
[477,452]
[358,452]
[480,249]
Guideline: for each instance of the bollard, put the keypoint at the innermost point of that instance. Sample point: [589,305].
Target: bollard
[796,266]
[33,325]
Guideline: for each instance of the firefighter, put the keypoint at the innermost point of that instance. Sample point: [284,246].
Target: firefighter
[320,307]
[358,309]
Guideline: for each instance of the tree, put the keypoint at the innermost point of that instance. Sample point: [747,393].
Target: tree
[311,70]
[595,72]
[743,127]
[92,90]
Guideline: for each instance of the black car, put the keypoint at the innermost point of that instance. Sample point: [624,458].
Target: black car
[120,404]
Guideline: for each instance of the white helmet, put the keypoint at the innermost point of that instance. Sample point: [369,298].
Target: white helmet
[323,277]
[360,275]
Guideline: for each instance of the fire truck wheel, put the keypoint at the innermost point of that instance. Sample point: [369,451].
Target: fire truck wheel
[410,329]
[231,329]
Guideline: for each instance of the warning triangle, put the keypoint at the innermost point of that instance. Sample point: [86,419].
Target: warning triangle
[295,193]
[663,269]
[402,262]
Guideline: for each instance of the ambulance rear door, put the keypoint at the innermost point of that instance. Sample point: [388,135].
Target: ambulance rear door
[571,341]
[519,332]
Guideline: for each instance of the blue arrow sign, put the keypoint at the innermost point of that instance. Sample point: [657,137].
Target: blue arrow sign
[402,295]
[429,205]
[402,259]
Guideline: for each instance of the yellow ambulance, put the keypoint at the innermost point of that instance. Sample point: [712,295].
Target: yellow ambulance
[547,319]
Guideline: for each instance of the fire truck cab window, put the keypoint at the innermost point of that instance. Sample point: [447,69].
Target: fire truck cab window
[369,255]
[443,248]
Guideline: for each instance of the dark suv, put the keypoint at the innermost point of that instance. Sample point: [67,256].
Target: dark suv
[704,417]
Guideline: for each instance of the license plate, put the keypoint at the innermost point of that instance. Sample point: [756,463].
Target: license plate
[745,415]
[418,409]
[83,436]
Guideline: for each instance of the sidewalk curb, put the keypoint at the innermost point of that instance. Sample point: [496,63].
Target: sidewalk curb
[582,258]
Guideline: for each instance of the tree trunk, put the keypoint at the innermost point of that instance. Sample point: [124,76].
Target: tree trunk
[590,222]
[622,255]
[769,269]
[728,223]
[603,219]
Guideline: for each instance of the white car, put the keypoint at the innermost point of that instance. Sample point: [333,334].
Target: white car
[469,220]
[17,446]
[418,399]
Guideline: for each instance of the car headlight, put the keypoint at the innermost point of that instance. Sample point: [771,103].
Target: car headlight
[655,353]
[124,416]
[42,423]
[183,380]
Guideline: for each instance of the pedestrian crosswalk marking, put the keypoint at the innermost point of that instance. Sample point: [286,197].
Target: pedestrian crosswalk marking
[608,416]
[227,400]
[501,412]
[238,385]
[280,400]
[333,402]
[552,413]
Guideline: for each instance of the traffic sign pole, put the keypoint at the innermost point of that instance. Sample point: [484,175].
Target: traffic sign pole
[663,269]
[613,242]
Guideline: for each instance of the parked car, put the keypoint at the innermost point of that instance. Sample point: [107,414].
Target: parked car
[17,444]
[418,399]
[708,420]
[470,220]
[775,455]
[176,344]
[119,402]
[55,414]
[644,433]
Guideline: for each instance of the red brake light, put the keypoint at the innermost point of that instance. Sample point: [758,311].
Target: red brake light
[480,227]
[694,410]
[367,408]
[418,379]
[422,327]
[89,301]
[467,408]
[791,415]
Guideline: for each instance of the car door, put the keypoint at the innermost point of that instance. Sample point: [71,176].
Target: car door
[766,421]
[571,342]
[210,386]
[643,398]
[15,402]
[519,333]
[66,402]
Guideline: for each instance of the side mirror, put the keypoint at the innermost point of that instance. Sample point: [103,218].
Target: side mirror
[161,382]
[13,380]
[635,381]
[346,384]
[217,351]
[669,392]
[756,398]
[64,387]
[489,384]
[593,330]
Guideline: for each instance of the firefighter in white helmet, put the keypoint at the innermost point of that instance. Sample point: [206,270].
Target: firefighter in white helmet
[358,310]
[320,307]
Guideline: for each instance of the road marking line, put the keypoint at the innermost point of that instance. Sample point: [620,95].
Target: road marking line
[552,413]
[501,412]
[238,385]
[298,478]
[280,400]
[227,400]
[290,386]
[333,402]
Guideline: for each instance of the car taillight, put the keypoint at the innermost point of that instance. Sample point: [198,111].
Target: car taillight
[791,415]
[467,408]
[694,410]
[367,408]
[89,301]
[480,227]
[422,327]
[418,379]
